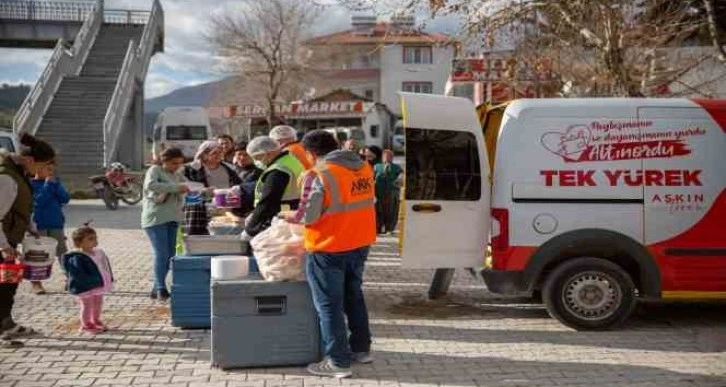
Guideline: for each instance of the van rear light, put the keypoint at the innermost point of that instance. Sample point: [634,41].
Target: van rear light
[500,241]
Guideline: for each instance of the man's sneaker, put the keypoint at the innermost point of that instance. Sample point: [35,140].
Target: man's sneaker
[362,357]
[327,368]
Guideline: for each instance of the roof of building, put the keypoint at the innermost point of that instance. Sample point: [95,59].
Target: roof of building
[382,33]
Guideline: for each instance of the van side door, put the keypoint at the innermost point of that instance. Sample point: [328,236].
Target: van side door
[685,201]
[446,204]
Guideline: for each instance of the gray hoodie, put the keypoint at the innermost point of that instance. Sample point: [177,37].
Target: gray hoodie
[314,206]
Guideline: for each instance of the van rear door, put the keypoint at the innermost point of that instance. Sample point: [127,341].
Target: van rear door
[685,198]
[446,208]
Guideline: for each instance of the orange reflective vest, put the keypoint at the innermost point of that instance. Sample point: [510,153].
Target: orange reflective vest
[348,221]
[297,150]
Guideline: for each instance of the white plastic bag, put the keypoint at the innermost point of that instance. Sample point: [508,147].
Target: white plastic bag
[279,251]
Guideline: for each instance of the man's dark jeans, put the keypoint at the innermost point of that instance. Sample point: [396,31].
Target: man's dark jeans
[335,281]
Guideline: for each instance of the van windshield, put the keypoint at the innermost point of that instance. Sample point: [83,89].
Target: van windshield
[183,132]
[6,144]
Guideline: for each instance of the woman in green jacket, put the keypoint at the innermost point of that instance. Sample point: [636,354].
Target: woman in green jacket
[388,191]
[164,191]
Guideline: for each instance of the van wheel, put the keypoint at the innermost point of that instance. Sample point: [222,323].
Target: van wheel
[589,294]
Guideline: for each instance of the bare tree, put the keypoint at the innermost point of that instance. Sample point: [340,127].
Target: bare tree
[713,28]
[262,43]
[618,47]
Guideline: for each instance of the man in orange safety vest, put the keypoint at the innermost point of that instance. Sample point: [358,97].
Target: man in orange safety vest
[340,227]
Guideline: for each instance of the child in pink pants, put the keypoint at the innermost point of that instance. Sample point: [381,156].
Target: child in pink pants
[89,278]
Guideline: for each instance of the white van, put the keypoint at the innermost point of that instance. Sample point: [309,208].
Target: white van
[182,127]
[597,203]
[8,140]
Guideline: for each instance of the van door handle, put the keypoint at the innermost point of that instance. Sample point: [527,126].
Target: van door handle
[426,208]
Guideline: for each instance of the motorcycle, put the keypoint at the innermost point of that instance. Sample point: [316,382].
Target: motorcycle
[115,184]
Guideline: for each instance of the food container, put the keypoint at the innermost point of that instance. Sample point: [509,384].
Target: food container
[228,267]
[194,186]
[226,198]
[11,273]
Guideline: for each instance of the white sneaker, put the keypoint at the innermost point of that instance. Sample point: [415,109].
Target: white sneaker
[327,368]
[362,357]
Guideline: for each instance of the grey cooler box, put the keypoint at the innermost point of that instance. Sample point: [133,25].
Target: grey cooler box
[258,323]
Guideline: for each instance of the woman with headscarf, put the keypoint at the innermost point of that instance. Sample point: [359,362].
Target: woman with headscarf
[209,170]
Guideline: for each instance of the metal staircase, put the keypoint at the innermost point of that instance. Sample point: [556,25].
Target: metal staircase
[88,101]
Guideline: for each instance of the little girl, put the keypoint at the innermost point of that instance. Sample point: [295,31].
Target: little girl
[89,277]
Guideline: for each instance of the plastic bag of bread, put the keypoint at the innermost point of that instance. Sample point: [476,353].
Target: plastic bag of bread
[279,251]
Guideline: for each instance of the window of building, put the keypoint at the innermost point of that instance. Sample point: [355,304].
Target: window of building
[369,93]
[442,165]
[417,55]
[418,87]
[365,61]
[374,131]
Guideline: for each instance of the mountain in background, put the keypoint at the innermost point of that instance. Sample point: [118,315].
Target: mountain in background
[11,97]
[198,95]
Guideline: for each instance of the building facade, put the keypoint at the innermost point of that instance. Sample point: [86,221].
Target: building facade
[376,60]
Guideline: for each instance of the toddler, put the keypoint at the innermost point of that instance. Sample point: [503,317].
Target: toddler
[89,277]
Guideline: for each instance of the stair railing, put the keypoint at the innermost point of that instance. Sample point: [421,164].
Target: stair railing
[64,61]
[131,76]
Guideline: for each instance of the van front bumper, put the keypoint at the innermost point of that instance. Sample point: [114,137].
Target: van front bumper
[506,282]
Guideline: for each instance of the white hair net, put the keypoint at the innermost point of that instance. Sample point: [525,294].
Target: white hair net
[261,145]
[283,132]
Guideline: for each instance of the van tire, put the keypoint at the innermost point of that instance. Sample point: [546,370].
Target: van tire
[610,288]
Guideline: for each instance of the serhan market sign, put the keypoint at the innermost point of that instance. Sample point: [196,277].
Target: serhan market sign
[303,109]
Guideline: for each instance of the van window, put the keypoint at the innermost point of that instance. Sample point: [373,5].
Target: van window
[358,135]
[183,132]
[157,133]
[442,165]
[7,144]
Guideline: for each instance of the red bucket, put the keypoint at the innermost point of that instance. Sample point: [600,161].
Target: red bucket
[11,273]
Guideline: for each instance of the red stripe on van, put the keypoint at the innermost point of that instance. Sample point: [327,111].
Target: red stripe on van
[716,108]
[515,258]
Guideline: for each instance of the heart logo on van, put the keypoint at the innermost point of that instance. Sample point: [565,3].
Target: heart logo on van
[569,144]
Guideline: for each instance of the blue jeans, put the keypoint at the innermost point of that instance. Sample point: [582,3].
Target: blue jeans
[163,241]
[335,281]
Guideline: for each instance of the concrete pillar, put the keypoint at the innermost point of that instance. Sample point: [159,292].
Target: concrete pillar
[131,141]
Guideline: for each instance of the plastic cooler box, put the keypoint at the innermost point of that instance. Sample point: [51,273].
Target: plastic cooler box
[258,323]
[190,306]
[190,291]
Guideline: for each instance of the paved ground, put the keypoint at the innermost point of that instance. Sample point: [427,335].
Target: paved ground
[472,338]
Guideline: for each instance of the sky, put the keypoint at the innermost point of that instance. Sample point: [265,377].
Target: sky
[187,58]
